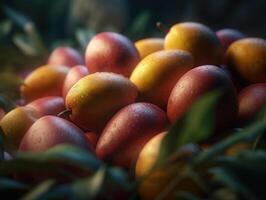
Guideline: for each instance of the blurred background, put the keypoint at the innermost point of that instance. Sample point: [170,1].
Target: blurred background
[29,29]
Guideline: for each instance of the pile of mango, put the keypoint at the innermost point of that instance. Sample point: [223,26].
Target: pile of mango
[119,99]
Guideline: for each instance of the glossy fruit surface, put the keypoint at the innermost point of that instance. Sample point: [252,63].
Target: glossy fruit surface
[74,75]
[66,56]
[155,183]
[251,101]
[156,75]
[44,81]
[197,82]
[111,52]
[15,124]
[128,131]
[149,45]
[228,36]
[95,98]
[50,131]
[247,57]
[197,39]
[52,105]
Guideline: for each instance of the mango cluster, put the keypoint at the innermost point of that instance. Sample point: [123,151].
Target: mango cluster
[119,99]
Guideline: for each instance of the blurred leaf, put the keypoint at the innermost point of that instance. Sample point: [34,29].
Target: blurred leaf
[64,153]
[5,28]
[244,173]
[83,37]
[250,132]
[10,83]
[39,190]
[195,126]
[17,17]
[119,176]
[6,103]
[10,184]
[30,43]
[47,161]
[90,187]
[23,43]
[139,24]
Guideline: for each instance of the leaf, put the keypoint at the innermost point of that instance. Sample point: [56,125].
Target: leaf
[252,131]
[244,173]
[5,28]
[47,161]
[139,24]
[17,17]
[10,82]
[63,153]
[195,126]
[10,184]
[83,37]
[39,190]
[90,187]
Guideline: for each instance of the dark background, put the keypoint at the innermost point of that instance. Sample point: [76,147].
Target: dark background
[73,22]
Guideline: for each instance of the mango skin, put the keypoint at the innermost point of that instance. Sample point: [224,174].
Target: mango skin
[74,75]
[52,105]
[228,36]
[66,56]
[247,58]
[200,81]
[111,52]
[128,131]
[148,46]
[95,98]
[15,124]
[156,75]
[251,100]
[153,182]
[49,131]
[197,39]
[44,81]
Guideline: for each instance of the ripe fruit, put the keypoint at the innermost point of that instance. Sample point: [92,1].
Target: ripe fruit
[197,82]
[197,39]
[95,98]
[92,137]
[15,124]
[111,52]
[251,100]
[128,131]
[228,36]
[65,56]
[44,81]
[156,75]
[149,45]
[247,57]
[50,131]
[153,182]
[74,74]
[52,105]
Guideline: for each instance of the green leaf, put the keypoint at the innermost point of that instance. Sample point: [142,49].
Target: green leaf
[10,82]
[10,184]
[5,28]
[139,24]
[250,132]
[244,173]
[64,153]
[195,126]
[90,187]
[39,190]
[49,160]
[17,17]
